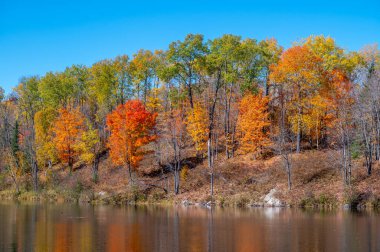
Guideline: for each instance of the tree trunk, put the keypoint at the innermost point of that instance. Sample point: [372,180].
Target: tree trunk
[177,168]
[190,93]
[145,89]
[298,149]
[266,85]
[95,166]
[368,152]
[176,182]
[289,178]
[15,182]
[369,162]
[130,174]
[35,175]
[211,167]
[288,167]
[212,186]
[71,167]
[232,154]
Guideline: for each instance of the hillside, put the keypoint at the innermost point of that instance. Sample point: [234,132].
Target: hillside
[239,181]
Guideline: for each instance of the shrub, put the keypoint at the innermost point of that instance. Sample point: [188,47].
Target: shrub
[350,197]
[323,201]
[184,173]
[241,201]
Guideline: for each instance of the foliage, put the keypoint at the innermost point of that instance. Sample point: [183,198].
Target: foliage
[67,128]
[15,140]
[45,147]
[130,125]
[253,122]
[104,83]
[88,145]
[143,69]
[197,122]
[300,75]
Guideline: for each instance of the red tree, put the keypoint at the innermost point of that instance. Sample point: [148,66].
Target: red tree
[131,127]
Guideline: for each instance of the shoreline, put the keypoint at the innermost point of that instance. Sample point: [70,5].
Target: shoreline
[124,199]
[240,182]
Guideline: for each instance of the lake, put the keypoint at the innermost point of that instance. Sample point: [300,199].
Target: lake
[65,227]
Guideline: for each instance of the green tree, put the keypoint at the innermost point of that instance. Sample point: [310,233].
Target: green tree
[143,72]
[185,58]
[56,89]
[121,65]
[104,84]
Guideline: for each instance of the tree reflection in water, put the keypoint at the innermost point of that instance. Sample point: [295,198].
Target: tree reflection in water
[49,227]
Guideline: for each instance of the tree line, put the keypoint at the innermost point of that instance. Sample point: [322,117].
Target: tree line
[219,98]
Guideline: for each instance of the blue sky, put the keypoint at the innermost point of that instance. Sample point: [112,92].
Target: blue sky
[39,36]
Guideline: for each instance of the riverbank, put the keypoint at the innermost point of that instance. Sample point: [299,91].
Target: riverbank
[323,201]
[239,182]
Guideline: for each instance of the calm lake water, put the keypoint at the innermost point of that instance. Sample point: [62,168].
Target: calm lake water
[55,227]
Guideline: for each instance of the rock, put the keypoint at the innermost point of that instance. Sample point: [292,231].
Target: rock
[186,203]
[102,193]
[257,204]
[203,204]
[210,203]
[271,200]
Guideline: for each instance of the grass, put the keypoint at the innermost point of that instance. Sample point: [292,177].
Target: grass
[323,201]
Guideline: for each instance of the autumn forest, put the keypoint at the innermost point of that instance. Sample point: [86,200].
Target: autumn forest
[171,120]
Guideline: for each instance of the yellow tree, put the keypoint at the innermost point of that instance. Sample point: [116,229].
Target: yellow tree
[333,56]
[43,125]
[88,148]
[326,49]
[197,126]
[321,113]
[68,128]
[320,117]
[299,75]
[154,101]
[253,122]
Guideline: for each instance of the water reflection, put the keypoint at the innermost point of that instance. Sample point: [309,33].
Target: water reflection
[31,227]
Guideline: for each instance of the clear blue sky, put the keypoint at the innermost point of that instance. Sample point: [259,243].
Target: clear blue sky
[39,36]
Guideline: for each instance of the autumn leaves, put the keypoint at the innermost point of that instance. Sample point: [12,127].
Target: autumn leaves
[68,129]
[212,99]
[131,127]
[253,122]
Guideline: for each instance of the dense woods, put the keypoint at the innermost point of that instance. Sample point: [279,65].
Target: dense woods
[210,100]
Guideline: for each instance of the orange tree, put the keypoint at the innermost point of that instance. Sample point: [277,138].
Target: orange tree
[300,74]
[67,128]
[253,122]
[131,127]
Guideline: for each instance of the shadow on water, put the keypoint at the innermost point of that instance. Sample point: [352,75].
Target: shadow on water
[56,227]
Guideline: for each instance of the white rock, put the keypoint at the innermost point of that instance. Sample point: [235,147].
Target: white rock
[271,200]
[102,193]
